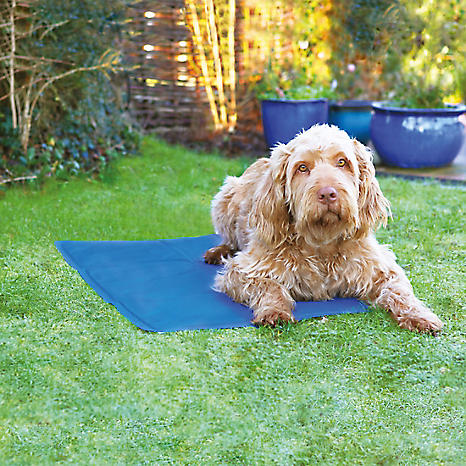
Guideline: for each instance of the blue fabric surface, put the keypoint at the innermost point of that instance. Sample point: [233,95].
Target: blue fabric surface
[164,285]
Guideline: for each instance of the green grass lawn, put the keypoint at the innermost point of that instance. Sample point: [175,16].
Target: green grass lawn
[80,384]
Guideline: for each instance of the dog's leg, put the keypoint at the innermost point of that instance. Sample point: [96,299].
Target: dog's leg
[230,212]
[394,293]
[269,300]
[224,218]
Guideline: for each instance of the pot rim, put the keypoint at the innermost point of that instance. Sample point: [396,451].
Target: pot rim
[352,103]
[454,110]
[296,101]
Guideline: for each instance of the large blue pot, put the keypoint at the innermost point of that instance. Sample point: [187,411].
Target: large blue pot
[416,138]
[283,119]
[353,116]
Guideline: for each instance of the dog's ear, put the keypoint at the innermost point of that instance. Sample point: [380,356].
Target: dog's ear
[374,208]
[269,215]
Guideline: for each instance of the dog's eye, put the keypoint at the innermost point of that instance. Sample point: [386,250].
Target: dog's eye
[303,168]
[341,163]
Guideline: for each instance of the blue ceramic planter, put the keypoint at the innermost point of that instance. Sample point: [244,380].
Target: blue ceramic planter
[416,138]
[283,119]
[353,116]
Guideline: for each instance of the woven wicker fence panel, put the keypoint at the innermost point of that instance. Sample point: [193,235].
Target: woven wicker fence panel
[192,62]
[162,88]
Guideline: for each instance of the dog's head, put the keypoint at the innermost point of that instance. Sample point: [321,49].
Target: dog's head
[323,183]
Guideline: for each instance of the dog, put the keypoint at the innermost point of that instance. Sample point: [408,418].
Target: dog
[300,226]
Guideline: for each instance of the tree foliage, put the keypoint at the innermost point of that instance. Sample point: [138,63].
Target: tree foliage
[409,50]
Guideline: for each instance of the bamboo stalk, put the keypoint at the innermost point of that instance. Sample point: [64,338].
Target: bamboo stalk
[217,63]
[26,116]
[231,49]
[14,117]
[204,68]
[245,41]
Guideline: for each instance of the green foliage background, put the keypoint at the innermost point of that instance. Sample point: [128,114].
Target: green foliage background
[410,51]
[79,123]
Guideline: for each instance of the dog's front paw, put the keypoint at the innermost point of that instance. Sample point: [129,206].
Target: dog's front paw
[272,317]
[421,320]
[217,254]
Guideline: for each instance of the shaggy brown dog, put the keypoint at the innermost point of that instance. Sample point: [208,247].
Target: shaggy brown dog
[300,226]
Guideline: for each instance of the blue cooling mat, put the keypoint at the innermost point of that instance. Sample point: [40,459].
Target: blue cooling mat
[165,285]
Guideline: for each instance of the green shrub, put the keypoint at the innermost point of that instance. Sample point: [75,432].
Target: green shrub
[291,85]
[360,39]
[408,51]
[429,50]
[67,57]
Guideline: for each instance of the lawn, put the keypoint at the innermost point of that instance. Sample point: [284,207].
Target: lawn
[80,384]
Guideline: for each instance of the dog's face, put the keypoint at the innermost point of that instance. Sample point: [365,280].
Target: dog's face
[322,189]
[323,183]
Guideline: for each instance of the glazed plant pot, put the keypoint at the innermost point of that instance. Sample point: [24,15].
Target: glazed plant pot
[353,116]
[283,119]
[417,138]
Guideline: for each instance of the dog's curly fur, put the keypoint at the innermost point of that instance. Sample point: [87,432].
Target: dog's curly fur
[300,226]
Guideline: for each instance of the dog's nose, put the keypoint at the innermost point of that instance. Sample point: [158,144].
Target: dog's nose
[327,195]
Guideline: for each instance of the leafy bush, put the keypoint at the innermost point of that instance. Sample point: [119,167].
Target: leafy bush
[428,50]
[408,51]
[66,57]
[291,85]
[360,40]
